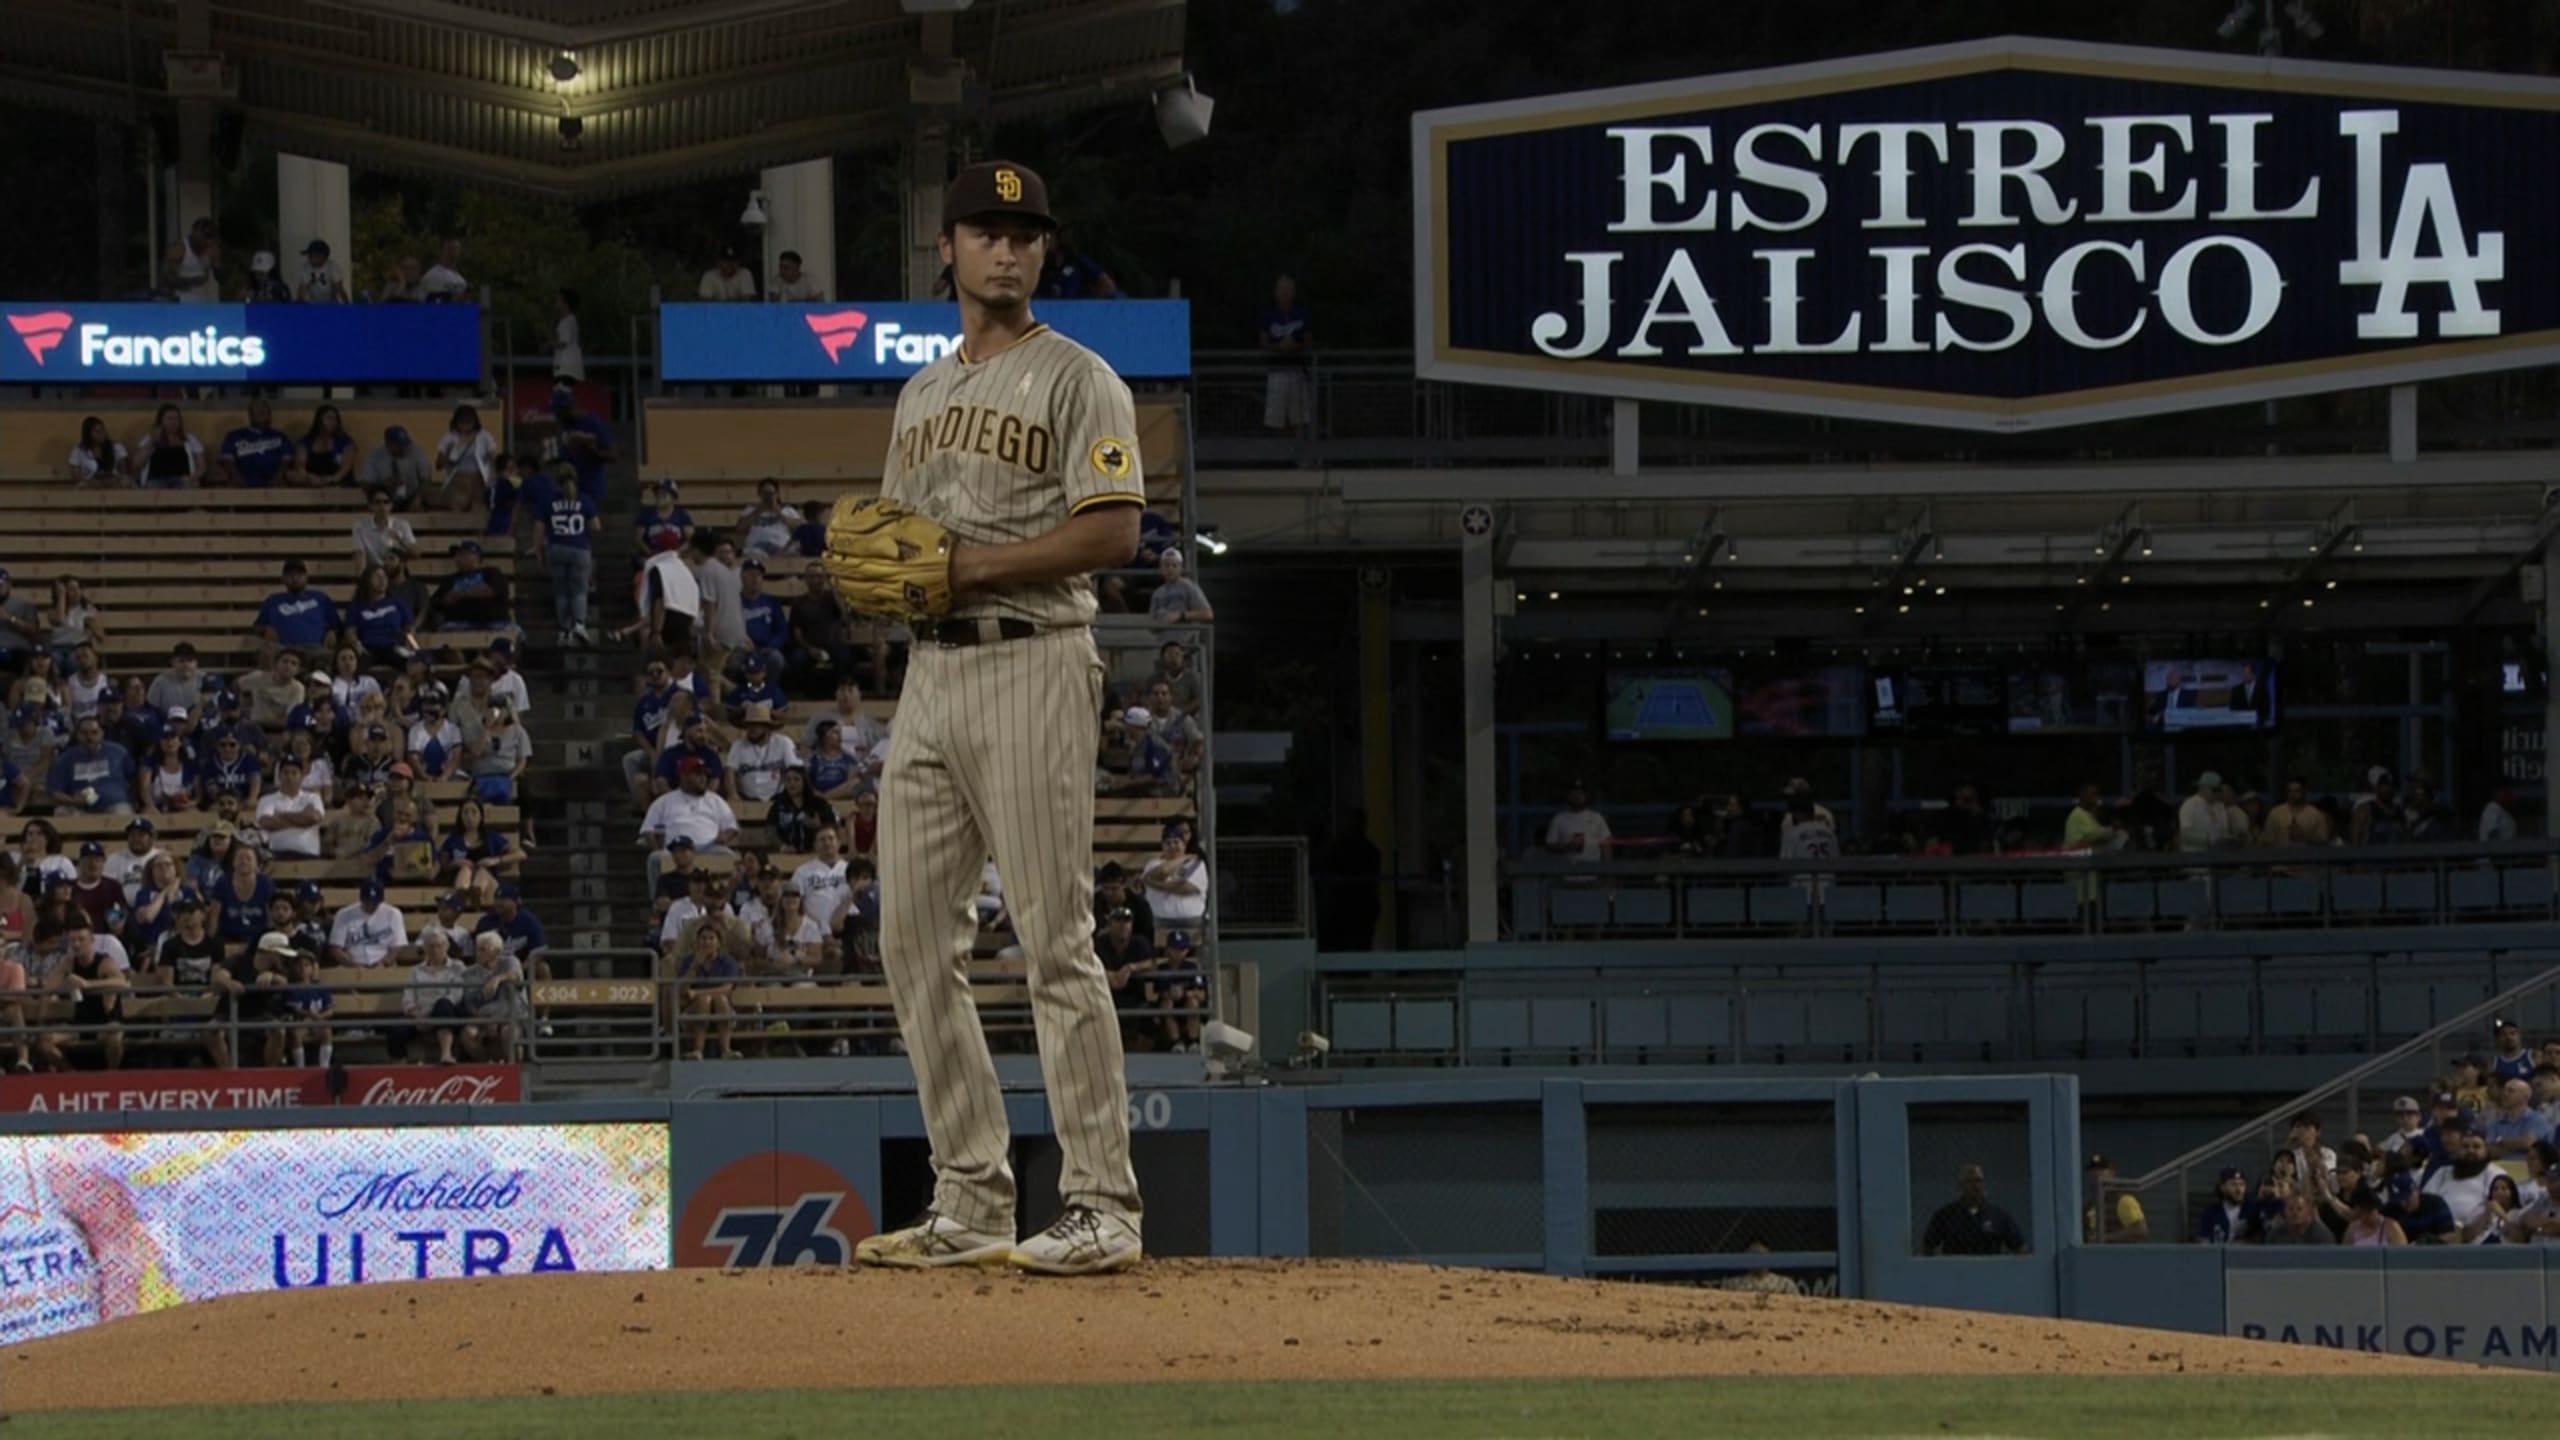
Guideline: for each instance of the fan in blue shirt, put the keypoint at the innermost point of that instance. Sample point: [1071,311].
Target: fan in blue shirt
[757,688]
[243,905]
[585,443]
[257,452]
[298,616]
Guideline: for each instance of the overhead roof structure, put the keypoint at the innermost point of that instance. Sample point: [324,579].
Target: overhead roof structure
[665,91]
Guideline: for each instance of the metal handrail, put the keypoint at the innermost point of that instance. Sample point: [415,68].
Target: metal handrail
[2175,1169]
[2021,862]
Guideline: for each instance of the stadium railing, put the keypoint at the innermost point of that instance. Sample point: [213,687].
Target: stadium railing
[2043,893]
[2357,1101]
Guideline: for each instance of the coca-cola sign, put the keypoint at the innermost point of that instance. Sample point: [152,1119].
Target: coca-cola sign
[476,1086]
[163,1090]
[2001,234]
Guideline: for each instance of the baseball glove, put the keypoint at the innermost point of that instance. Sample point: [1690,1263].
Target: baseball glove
[886,559]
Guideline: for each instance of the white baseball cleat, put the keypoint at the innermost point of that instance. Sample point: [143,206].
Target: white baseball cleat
[1084,1241]
[932,1243]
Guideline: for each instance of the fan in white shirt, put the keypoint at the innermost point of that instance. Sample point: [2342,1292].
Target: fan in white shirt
[758,758]
[290,816]
[1578,832]
[821,880]
[368,932]
[728,280]
[85,467]
[443,280]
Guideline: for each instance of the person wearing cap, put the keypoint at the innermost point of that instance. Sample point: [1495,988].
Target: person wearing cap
[692,810]
[762,685]
[2124,1222]
[1045,490]
[667,593]
[519,934]
[727,280]
[1177,988]
[2409,1125]
[1126,955]
[473,597]
[2510,1059]
[434,747]
[757,759]
[586,442]
[28,750]
[257,454]
[266,287]
[675,882]
[263,972]
[298,617]
[369,932]
[1177,600]
[189,963]
[2378,818]
[664,522]
[400,465]
[499,761]
[92,893]
[2422,1215]
[141,842]
[1114,890]
[698,740]
[766,621]
[1970,1224]
[1578,832]
[94,776]
[318,282]
[2225,1218]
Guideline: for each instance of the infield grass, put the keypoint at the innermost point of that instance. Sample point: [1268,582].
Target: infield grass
[1807,1408]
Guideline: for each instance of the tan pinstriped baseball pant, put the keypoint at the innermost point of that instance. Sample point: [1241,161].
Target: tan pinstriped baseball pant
[993,752]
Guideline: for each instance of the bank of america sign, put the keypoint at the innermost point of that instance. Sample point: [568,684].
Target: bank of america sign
[1998,235]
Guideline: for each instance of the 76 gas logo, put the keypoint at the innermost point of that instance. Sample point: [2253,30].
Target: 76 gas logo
[774,1209]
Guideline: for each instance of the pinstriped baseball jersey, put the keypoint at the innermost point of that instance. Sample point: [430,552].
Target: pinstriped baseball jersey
[993,756]
[1007,449]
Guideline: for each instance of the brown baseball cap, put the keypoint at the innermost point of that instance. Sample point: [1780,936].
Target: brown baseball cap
[996,187]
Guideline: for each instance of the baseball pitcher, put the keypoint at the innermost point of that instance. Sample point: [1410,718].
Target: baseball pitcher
[1013,474]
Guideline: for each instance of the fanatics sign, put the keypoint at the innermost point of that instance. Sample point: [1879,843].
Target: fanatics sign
[1998,235]
[48,343]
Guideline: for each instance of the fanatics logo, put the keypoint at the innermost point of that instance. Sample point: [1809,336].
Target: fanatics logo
[41,331]
[837,331]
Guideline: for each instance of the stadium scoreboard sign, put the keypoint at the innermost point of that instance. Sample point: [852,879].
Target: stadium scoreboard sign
[1998,235]
[52,343]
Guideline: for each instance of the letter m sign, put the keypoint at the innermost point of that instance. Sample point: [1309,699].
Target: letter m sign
[802,1233]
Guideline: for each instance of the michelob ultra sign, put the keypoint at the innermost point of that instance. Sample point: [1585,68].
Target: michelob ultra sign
[1998,235]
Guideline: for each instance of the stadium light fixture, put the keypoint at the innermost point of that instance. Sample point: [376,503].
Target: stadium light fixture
[1555,594]
[564,68]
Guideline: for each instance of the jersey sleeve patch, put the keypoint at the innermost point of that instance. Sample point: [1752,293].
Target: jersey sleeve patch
[1112,458]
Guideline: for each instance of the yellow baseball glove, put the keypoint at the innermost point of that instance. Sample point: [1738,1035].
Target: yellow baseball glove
[886,559]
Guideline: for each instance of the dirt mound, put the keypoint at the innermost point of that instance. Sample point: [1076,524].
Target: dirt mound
[1172,1320]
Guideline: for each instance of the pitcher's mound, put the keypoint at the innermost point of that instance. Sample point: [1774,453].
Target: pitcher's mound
[1171,1320]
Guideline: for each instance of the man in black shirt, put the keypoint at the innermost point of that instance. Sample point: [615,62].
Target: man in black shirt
[473,597]
[1970,1224]
[189,963]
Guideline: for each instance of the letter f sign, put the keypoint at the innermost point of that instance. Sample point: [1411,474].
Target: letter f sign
[41,331]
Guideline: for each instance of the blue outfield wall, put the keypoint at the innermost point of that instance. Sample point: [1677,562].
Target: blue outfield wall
[1568,1176]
